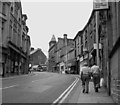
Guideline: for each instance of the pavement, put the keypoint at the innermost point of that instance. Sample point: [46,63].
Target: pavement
[94,97]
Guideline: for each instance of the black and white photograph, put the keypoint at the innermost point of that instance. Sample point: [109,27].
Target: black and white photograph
[59,52]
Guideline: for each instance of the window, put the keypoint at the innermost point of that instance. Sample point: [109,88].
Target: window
[81,40]
[94,36]
[14,36]
[11,9]
[2,26]
[16,10]
[86,35]
[4,9]
[86,45]
[10,31]
[81,49]
[78,50]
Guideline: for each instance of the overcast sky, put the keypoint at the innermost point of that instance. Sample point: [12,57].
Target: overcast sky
[58,18]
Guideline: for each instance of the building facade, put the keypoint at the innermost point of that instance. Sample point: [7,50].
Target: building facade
[111,41]
[15,44]
[108,25]
[37,57]
[51,55]
[61,55]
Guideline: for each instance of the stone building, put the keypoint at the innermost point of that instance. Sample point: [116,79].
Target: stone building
[61,54]
[78,40]
[37,57]
[15,43]
[108,22]
[51,55]
[109,26]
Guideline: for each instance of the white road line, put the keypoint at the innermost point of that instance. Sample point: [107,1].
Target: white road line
[35,74]
[63,99]
[13,77]
[8,87]
[35,80]
[64,93]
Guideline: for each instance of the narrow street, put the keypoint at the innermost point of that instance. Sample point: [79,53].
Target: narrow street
[40,87]
[58,52]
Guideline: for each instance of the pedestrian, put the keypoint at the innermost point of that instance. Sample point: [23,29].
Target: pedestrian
[95,70]
[85,77]
[29,71]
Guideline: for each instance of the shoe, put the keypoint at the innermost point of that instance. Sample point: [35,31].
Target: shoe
[96,89]
[83,91]
[86,92]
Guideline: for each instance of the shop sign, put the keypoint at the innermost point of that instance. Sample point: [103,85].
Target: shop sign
[95,46]
[100,4]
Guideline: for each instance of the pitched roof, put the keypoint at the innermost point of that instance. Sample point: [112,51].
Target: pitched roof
[53,38]
[34,51]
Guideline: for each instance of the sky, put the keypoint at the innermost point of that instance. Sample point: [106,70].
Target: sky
[55,17]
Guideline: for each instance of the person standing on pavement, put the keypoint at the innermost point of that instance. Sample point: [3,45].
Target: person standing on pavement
[95,70]
[85,77]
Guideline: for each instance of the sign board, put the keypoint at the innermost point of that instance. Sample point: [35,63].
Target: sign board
[95,46]
[100,4]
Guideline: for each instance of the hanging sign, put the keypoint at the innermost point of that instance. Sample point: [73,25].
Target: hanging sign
[100,4]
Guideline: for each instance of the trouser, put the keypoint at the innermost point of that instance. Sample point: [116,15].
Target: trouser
[85,83]
[96,81]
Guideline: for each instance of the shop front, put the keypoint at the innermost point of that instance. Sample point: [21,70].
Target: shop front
[72,67]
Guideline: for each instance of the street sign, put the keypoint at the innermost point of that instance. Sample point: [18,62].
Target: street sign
[100,4]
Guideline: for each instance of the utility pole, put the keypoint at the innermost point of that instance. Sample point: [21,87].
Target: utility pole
[97,38]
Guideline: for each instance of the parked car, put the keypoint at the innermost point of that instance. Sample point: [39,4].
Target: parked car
[39,68]
[34,67]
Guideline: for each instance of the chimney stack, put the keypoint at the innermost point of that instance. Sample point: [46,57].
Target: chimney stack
[65,36]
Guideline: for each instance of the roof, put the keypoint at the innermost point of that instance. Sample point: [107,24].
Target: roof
[78,34]
[53,38]
[34,51]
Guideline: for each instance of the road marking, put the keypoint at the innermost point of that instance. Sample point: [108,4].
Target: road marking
[8,87]
[13,77]
[57,100]
[63,99]
[35,74]
[35,81]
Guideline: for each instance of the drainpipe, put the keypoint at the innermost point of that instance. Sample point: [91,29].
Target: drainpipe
[97,38]
[65,38]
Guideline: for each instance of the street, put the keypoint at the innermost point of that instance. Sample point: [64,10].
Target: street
[38,87]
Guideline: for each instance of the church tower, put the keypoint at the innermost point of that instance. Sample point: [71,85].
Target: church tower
[52,42]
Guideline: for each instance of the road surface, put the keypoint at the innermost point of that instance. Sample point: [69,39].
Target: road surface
[39,87]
